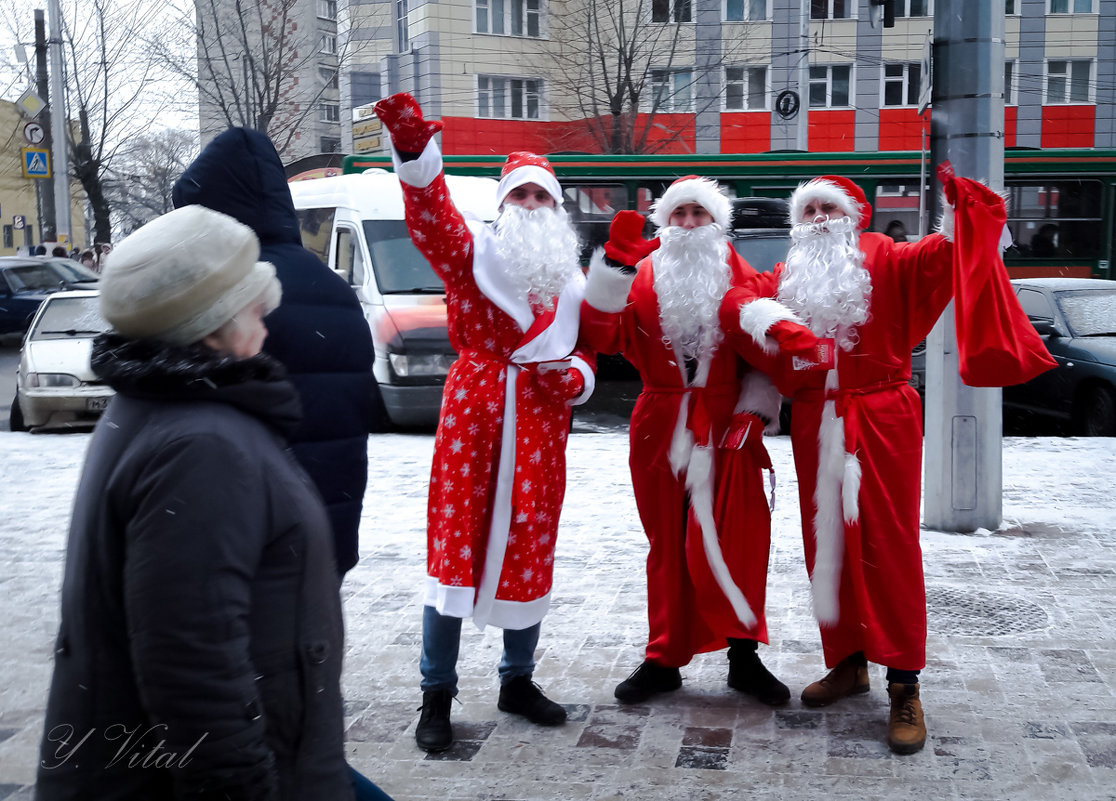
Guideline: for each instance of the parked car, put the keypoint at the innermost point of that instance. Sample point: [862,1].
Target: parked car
[1076,318]
[26,280]
[55,386]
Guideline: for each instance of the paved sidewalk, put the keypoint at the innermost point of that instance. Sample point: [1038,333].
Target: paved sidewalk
[1020,690]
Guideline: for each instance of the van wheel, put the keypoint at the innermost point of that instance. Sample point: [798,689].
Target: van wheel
[1096,412]
[15,419]
[379,422]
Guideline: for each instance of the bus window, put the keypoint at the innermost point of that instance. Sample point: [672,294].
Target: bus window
[591,207]
[896,209]
[1056,219]
[315,226]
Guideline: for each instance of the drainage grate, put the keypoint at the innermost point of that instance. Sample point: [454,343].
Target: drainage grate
[971,613]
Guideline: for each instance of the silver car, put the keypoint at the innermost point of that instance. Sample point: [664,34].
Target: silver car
[55,386]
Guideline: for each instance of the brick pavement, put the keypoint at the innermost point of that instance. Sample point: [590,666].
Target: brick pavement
[1019,689]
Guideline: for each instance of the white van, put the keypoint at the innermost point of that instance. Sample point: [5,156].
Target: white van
[355,224]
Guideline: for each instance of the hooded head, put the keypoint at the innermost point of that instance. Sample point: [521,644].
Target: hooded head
[184,275]
[835,189]
[527,168]
[693,189]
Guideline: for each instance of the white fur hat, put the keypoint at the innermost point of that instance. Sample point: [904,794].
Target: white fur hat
[527,168]
[184,275]
[836,189]
[693,189]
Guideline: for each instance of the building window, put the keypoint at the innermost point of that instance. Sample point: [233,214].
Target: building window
[327,9]
[746,88]
[402,35]
[829,86]
[9,238]
[1071,7]
[1067,81]
[672,90]
[508,98]
[330,144]
[328,44]
[508,17]
[329,112]
[365,87]
[1009,83]
[1009,7]
[329,77]
[914,8]
[745,10]
[901,84]
[831,9]
[672,11]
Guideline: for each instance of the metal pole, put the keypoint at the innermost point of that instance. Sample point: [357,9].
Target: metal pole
[964,479]
[803,129]
[44,188]
[58,124]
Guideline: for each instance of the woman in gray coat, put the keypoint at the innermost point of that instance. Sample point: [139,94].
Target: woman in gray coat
[200,647]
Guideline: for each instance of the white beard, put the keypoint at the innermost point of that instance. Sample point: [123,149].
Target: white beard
[825,281]
[691,278]
[539,249]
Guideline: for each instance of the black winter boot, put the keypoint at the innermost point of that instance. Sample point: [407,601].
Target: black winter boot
[434,732]
[647,680]
[748,675]
[521,696]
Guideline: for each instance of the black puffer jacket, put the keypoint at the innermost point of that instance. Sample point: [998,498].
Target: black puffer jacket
[199,653]
[318,332]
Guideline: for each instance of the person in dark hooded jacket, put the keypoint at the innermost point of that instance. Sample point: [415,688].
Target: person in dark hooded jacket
[200,645]
[318,332]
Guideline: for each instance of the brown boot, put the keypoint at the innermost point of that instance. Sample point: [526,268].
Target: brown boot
[850,677]
[906,729]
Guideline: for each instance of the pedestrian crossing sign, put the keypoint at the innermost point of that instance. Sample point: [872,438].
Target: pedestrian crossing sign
[36,162]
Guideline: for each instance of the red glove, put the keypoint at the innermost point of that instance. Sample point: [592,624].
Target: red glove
[946,176]
[402,116]
[745,431]
[560,386]
[795,339]
[625,239]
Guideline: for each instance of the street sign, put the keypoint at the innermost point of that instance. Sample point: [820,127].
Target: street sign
[19,222]
[364,112]
[366,128]
[30,103]
[926,79]
[36,162]
[366,145]
[34,133]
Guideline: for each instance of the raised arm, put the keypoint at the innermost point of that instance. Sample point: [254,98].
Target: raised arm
[611,273]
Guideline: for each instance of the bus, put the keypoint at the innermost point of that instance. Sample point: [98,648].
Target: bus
[1061,202]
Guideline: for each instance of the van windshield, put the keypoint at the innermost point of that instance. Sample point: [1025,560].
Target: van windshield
[400,269]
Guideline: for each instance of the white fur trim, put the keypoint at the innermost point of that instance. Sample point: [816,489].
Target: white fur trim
[681,440]
[757,316]
[529,174]
[945,222]
[706,193]
[607,288]
[850,489]
[699,480]
[759,396]
[587,375]
[823,191]
[829,529]
[420,172]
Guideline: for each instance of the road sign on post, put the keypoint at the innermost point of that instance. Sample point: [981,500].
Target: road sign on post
[36,162]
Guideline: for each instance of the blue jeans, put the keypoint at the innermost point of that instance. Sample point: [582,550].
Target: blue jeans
[365,790]
[441,641]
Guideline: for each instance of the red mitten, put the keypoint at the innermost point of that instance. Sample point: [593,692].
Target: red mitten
[745,431]
[402,116]
[625,239]
[560,386]
[795,339]
[946,176]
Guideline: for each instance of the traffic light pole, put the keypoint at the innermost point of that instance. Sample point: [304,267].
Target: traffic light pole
[61,156]
[963,451]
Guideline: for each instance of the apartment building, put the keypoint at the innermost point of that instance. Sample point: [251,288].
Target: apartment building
[726,73]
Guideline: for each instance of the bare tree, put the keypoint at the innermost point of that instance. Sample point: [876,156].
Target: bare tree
[615,70]
[144,173]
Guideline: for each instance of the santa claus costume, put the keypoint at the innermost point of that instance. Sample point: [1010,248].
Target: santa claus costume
[696,474]
[498,474]
[856,425]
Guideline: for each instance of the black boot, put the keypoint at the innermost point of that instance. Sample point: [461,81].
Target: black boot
[434,732]
[748,675]
[646,680]
[521,696]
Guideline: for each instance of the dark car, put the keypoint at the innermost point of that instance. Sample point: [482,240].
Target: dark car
[1076,318]
[26,280]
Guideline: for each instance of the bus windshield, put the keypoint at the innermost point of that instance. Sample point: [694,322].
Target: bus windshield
[399,267]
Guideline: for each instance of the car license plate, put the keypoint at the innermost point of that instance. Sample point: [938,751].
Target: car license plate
[96,404]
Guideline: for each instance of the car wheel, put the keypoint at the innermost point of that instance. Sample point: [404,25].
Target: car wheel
[1096,413]
[15,419]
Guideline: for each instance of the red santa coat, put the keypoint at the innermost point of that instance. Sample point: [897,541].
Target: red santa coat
[856,433]
[706,517]
[498,474]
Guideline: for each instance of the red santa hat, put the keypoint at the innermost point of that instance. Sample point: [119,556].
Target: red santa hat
[693,189]
[842,192]
[527,168]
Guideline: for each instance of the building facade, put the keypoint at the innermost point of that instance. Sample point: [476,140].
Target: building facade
[727,75]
